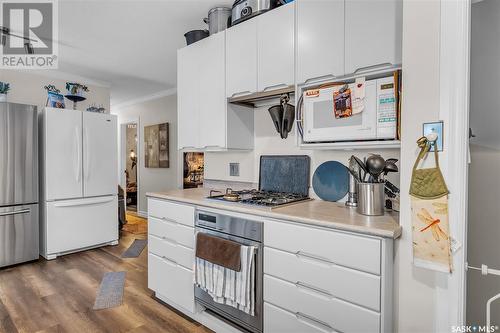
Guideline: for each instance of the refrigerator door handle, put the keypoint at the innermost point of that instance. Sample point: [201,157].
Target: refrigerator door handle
[87,157]
[78,155]
[16,212]
[84,202]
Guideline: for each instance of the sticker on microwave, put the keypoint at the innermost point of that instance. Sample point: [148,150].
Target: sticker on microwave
[342,106]
[312,93]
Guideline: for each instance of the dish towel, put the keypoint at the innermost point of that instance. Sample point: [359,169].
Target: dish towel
[225,286]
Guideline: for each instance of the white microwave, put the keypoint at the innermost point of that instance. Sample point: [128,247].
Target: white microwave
[369,112]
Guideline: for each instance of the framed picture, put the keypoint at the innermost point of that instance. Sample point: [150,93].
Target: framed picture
[156,142]
[55,100]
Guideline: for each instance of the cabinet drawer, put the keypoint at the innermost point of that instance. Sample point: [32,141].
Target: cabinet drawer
[173,231]
[171,212]
[344,283]
[339,248]
[171,281]
[277,320]
[332,312]
[171,250]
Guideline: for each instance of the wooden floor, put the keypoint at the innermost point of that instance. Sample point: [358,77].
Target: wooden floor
[58,296]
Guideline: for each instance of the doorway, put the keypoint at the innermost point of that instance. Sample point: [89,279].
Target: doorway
[131,179]
[483,230]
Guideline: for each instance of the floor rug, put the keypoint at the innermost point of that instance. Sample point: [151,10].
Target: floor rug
[135,249]
[110,293]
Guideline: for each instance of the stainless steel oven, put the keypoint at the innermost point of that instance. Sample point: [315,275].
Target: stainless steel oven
[246,232]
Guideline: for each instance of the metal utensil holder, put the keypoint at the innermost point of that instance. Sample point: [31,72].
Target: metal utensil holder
[371,199]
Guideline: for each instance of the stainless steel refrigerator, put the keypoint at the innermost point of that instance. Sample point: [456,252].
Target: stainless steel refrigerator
[19,224]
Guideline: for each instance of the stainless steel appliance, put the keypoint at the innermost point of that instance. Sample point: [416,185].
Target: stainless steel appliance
[244,9]
[246,232]
[19,223]
[219,19]
[283,180]
[258,198]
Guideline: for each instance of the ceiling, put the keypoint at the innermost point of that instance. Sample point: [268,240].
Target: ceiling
[129,45]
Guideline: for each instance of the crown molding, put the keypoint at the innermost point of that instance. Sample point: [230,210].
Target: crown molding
[142,99]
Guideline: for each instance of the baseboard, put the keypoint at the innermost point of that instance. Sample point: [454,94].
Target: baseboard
[143,214]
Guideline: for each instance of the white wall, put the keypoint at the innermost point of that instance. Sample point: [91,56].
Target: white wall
[26,87]
[160,110]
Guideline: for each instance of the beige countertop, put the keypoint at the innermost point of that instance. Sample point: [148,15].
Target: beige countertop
[315,212]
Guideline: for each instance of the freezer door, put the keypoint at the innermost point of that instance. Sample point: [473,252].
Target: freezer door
[63,154]
[18,234]
[80,223]
[18,154]
[100,150]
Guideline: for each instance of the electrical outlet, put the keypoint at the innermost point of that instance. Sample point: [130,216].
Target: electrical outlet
[438,128]
[234,169]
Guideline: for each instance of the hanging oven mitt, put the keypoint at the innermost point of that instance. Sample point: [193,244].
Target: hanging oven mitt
[429,211]
[427,183]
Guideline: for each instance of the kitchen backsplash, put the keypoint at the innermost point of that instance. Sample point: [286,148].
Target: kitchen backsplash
[268,142]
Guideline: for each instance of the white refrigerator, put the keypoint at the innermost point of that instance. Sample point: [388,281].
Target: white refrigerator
[78,159]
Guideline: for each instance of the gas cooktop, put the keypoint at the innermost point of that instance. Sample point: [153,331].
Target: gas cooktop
[258,197]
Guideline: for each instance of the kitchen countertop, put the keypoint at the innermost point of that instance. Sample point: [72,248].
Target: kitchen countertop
[314,212]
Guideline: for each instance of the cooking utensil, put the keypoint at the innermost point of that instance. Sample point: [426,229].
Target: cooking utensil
[195,35]
[375,165]
[331,181]
[362,166]
[354,169]
[219,19]
[276,113]
[390,167]
[230,196]
[288,117]
[393,160]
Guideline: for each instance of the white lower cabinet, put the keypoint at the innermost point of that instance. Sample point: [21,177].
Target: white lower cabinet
[171,252]
[277,320]
[321,280]
[171,280]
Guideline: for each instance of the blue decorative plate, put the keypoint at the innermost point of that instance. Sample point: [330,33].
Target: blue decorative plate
[331,181]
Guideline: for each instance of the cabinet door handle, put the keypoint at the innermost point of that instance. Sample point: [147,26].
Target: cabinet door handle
[320,78]
[318,324]
[212,147]
[169,240]
[167,220]
[188,147]
[241,93]
[276,87]
[308,287]
[313,257]
[373,67]
[169,260]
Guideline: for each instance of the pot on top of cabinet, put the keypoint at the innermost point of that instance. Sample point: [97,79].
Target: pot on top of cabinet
[219,19]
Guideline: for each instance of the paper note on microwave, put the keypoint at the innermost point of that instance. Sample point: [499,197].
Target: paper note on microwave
[342,106]
[358,95]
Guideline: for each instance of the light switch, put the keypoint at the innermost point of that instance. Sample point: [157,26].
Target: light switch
[234,169]
[438,128]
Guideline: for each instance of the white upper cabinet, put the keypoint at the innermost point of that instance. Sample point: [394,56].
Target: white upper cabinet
[205,121]
[320,40]
[241,59]
[373,34]
[211,93]
[187,99]
[275,32]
